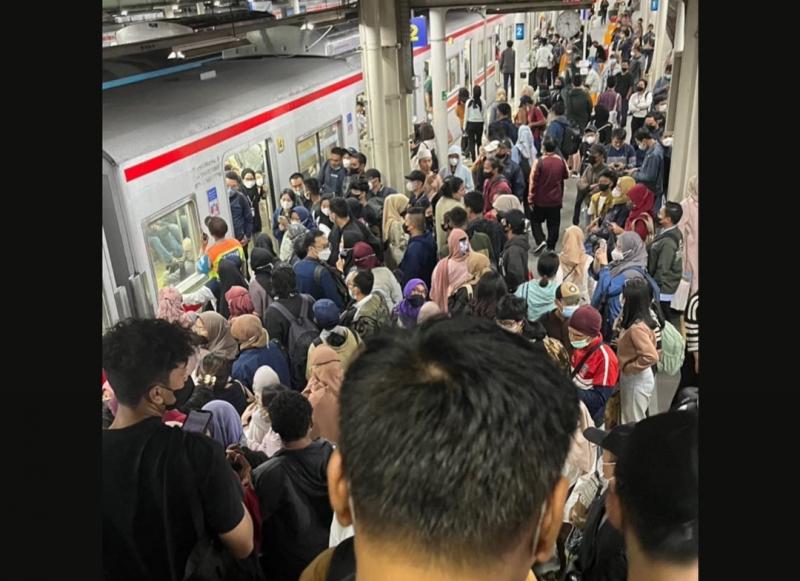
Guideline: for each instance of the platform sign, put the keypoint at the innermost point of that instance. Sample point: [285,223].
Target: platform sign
[519,31]
[653,5]
[419,32]
[213,201]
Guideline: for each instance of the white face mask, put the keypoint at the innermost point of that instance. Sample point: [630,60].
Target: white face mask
[667,142]
[259,182]
[642,146]
[326,211]
[453,161]
[590,139]
[286,205]
[249,183]
[463,245]
[346,163]
[616,193]
[617,254]
[325,254]
[410,186]
[352,294]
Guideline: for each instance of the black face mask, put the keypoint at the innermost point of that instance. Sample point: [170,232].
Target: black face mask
[406,229]
[416,301]
[591,159]
[604,187]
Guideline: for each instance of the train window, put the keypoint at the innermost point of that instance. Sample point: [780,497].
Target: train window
[314,149]
[452,73]
[361,120]
[173,244]
[468,63]
[254,157]
[481,57]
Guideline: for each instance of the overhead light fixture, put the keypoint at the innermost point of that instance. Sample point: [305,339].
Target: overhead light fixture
[307,26]
[207,47]
[176,7]
[123,13]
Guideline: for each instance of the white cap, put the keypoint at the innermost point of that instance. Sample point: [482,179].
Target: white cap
[491,146]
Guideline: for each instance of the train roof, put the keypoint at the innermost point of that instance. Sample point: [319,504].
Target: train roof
[147,116]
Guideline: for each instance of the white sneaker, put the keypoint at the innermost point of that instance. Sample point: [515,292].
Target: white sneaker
[539,248]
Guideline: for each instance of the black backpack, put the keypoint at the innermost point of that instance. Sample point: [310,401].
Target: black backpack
[371,239]
[302,332]
[341,287]
[570,140]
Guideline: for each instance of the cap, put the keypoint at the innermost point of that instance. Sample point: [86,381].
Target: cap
[614,441]
[590,128]
[491,147]
[598,149]
[248,331]
[326,313]
[586,320]
[514,218]
[567,291]
[657,470]
[351,151]
[425,154]
[416,176]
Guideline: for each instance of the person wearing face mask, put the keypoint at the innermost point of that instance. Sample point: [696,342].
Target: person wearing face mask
[624,87]
[462,295]
[394,237]
[368,312]
[312,202]
[636,64]
[600,203]
[495,184]
[314,276]
[451,272]
[301,223]
[612,101]
[252,190]
[448,197]
[406,312]
[415,182]
[651,173]
[513,261]
[615,214]
[661,87]
[376,187]
[241,210]
[665,258]
[595,367]
[333,173]
[455,167]
[639,104]
[511,170]
[385,283]
[556,321]
[144,462]
[589,139]
[355,169]
[323,218]
[449,405]
[546,195]
[587,184]
[281,218]
[419,259]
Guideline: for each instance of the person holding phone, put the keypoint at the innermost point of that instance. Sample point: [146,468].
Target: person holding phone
[157,480]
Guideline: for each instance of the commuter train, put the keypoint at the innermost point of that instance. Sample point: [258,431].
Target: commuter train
[167,140]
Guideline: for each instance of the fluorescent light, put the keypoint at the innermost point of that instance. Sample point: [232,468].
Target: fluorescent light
[124,13]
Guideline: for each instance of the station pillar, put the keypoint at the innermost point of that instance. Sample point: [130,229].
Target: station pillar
[369,28]
[438,38]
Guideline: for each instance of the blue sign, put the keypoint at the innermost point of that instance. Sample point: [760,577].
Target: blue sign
[213,203]
[519,31]
[419,32]
[654,5]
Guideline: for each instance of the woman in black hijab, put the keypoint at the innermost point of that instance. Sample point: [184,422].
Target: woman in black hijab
[229,276]
[261,263]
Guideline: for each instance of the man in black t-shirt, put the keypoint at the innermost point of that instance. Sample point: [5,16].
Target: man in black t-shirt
[156,478]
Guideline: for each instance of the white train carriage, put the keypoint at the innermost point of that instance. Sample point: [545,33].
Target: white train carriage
[167,140]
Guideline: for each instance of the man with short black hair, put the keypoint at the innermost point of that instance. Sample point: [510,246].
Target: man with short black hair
[507,63]
[651,174]
[473,203]
[511,169]
[419,259]
[653,497]
[624,86]
[559,124]
[284,287]
[415,182]
[297,183]
[314,275]
[456,496]
[665,258]
[356,169]
[314,199]
[156,479]
[478,241]
[587,184]
[620,155]
[514,260]
[556,322]
[292,488]
[546,194]
[376,186]
[495,184]
[369,313]
[219,249]
[578,104]
[504,120]
[241,210]
[372,207]
[332,173]
[345,234]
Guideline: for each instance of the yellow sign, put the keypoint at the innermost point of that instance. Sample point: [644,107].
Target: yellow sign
[280,143]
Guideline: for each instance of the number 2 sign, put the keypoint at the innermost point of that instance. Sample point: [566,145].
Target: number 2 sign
[419,32]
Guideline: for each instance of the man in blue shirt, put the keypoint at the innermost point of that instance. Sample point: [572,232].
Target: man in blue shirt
[314,275]
[420,257]
[651,174]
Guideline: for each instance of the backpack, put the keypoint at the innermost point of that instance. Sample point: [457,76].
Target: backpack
[648,223]
[302,332]
[570,140]
[605,300]
[341,287]
[371,239]
[672,350]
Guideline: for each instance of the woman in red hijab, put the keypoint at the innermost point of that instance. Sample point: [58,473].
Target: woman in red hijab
[640,219]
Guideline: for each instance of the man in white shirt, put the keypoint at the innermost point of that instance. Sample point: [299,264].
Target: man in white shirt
[543,60]
[639,105]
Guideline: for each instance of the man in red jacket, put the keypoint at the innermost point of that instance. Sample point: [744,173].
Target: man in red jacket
[495,183]
[546,195]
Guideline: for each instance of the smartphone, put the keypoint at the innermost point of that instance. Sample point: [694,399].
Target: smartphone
[197,421]
[602,244]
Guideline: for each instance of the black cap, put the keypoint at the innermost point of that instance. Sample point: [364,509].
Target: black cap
[352,151]
[514,218]
[656,471]
[416,176]
[598,149]
[614,441]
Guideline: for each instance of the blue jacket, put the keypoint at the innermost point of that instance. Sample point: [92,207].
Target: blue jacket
[609,289]
[331,180]
[651,173]
[556,130]
[249,360]
[242,214]
[516,180]
[420,259]
[304,271]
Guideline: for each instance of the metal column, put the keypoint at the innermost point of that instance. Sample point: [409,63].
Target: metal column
[438,63]
[372,65]
[395,101]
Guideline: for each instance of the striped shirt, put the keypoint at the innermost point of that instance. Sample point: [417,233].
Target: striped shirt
[692,324]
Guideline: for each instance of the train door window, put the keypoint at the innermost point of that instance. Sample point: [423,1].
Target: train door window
[452,73]
[173,244]
[361,120]
[256,158]
[481,58]
[468,63]
[314,149]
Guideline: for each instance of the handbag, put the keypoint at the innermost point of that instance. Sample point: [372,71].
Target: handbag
[681,296]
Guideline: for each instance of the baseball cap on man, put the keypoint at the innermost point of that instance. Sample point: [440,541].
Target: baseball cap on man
[416,176]
[568,293]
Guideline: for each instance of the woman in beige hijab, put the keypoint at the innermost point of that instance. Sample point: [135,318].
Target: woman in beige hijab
[393,233]
[322,390]
[574,264]
[504,203]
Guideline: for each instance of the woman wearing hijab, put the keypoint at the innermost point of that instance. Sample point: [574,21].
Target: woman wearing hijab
[294,233]
[226,425]
[629,261]
[301,214]
[504,203]
[261,263]
[574,264]
[256,350]
[258,428]
[214,375]
[217,331]
[615,206]
[385,283]
[239,302]
[253,192]
[689,227]
[229,277]
[451,272]
[641,218]
[263,240]
[322,391]
[394,206]
[170,307]
[524,152]
[414,296]
[460,300]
